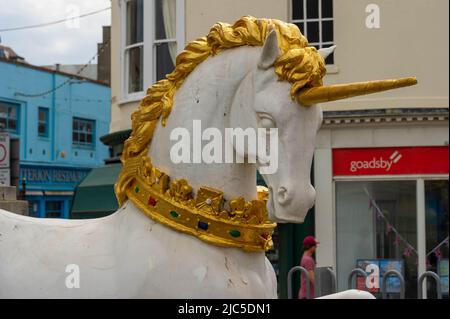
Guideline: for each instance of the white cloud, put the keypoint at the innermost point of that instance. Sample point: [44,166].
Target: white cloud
[58,43]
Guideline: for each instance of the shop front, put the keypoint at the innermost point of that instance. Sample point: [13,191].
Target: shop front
[382,198]
[49,189]
[391,208]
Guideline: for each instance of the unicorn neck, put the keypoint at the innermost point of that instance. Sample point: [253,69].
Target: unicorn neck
[205,94]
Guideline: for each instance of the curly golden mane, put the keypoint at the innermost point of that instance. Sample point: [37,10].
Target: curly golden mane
[300,65]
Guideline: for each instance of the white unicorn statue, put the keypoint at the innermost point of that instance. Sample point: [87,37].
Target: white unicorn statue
[193,230]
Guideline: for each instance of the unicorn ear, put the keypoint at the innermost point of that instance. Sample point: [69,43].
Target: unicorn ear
[270,51]
[325,52]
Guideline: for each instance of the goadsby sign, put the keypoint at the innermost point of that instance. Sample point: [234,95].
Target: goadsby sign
[391,161]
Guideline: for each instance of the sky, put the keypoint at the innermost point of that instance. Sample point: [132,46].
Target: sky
[71,42]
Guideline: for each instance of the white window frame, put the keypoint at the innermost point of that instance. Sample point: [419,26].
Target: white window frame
[305,21]
[149,46]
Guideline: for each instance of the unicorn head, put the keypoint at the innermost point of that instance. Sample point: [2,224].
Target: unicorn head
[262,101]
[279,89]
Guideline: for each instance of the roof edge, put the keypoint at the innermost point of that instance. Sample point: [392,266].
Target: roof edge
[44,69]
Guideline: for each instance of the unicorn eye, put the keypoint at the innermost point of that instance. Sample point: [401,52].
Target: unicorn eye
[266,121]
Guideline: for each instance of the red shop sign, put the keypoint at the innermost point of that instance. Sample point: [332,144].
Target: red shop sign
[390,161]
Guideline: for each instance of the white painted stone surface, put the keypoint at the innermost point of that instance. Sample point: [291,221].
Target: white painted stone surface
[350,294]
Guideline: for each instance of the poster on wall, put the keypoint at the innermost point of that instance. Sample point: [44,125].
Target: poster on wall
[392,282]
[375,269]
[443,274]
[5,178]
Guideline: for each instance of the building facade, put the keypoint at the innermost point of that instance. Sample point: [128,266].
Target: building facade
[400,215]
[381,178]
[57,119]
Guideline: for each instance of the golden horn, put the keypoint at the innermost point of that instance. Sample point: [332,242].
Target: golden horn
[322,94]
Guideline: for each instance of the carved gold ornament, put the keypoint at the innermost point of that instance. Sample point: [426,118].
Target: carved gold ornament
[245,225]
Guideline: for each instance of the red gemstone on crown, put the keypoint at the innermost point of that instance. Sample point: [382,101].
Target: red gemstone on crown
[151,201]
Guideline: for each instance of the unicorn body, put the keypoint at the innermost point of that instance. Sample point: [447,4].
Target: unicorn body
[124,255]
[127,254]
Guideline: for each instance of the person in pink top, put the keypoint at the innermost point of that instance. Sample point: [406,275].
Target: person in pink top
[307,262]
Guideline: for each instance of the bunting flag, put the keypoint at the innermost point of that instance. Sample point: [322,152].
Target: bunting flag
[407,252]
[438,253]
[409,249]
[437,249]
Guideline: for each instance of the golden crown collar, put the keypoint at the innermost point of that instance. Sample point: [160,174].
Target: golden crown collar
[244,225]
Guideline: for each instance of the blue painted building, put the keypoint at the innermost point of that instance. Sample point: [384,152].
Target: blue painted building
[58,119]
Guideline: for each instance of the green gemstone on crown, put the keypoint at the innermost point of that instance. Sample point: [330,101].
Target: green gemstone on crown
[235,233]
[137,190]
[174,214]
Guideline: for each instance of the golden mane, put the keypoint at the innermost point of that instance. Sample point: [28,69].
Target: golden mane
[300,65]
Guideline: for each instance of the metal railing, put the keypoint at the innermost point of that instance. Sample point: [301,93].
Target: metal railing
[353,273]
[402,283]
[436,279]
[289,280]
[333,279]
[361,272]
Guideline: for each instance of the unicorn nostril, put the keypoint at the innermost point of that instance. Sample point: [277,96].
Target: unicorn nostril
[283,196]
[282,191]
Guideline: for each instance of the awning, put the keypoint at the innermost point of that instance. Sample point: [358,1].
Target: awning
[94,196]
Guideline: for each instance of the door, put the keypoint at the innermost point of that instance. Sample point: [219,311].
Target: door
[54,209]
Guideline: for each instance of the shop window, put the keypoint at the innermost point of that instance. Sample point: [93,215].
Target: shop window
[315,20]
[43,122]
[376,223]
[53,209]
[164,38]
[83,132]
[134,46]
[436,216]
[8,117]
[165,42]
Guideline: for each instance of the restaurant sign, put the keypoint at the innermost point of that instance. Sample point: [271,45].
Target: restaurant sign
[52,175]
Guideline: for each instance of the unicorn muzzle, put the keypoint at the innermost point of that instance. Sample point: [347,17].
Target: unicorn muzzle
[322,94]
[291,204]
